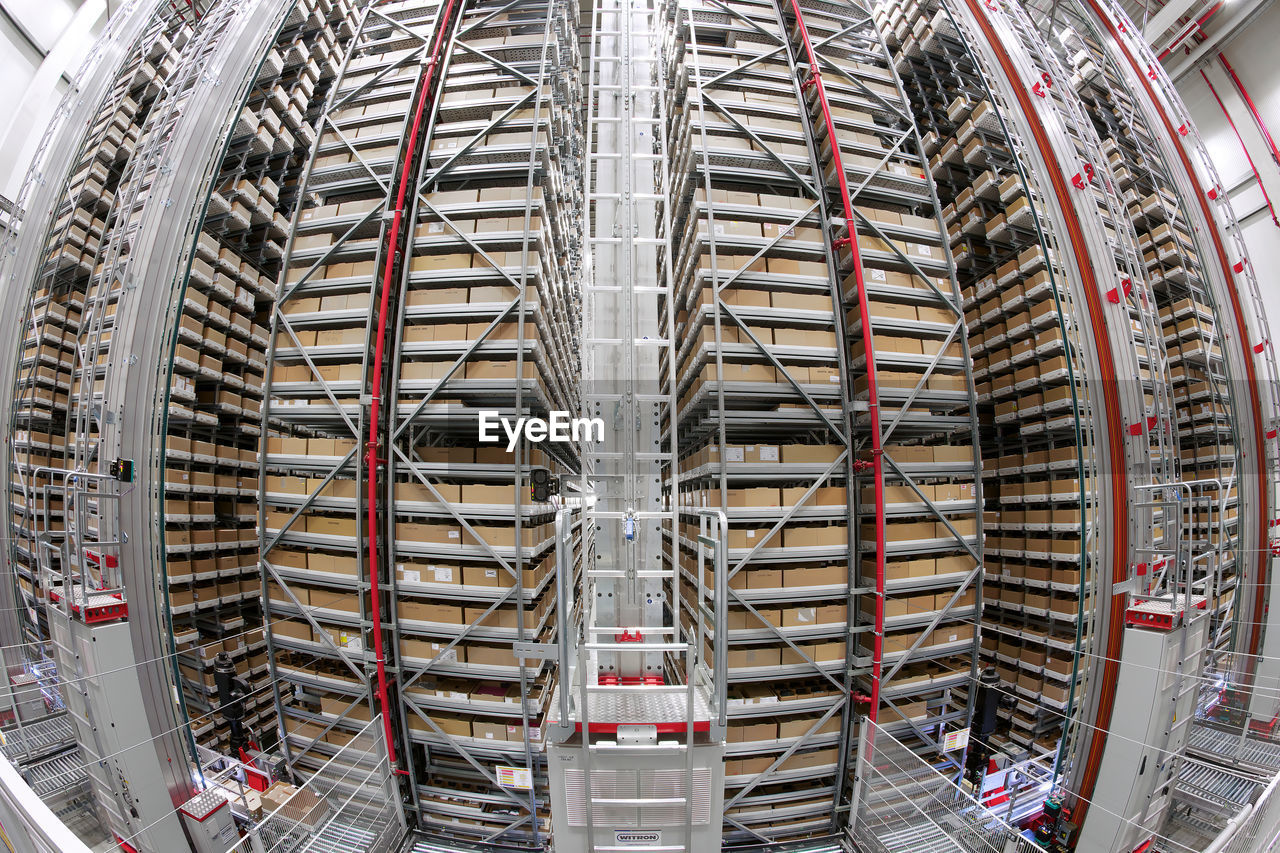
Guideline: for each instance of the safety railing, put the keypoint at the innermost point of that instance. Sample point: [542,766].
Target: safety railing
[1256,828]
[900,803]
[349,804]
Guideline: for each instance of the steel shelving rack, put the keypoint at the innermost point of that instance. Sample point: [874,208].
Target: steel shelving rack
[765,181]
[1152,426]
[1246,347]
[1066,199]
[457,299]
[1031,382]
[53,257]
[1233,282]
[1206,396]
[931,468]
[89,566]
[188,601]
[864,282]
[756,318]
[214,405]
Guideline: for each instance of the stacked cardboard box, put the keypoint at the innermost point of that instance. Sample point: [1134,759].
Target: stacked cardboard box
[69,308]
[913,326]
[216,387]
[311,509]
[1023,376]
[1191,326]
[770,342]
[488,320]
[481,317]
[743,227]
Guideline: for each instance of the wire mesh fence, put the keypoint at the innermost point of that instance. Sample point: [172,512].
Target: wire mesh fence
[349,804]
[902,804]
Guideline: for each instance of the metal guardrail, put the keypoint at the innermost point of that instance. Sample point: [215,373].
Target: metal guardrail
[349,804]
[1255,828]
[902,805]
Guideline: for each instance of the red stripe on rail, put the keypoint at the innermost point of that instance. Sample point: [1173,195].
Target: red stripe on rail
[868,348]
[371,459]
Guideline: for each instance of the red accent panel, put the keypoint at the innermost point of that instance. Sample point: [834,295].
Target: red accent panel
[663,728]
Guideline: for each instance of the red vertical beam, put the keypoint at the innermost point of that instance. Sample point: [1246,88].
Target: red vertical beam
[391,250]
[1253,111]
[1115,465]
[1243,147]
[868,347]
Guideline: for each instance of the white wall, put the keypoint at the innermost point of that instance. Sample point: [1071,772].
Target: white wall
[35,75]
[1253,56]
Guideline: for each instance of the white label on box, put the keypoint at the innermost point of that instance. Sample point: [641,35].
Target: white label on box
[878,275]
[899,169]
[442,574]
[768,453]
[455,534]
[734,454]
[833,377]
[751,534]
[519,778]
[435,227]
[490,573]
[412,575]
[719,229]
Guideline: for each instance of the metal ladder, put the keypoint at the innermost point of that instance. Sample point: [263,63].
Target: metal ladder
[1263,349]
[628,667]
[1173,214]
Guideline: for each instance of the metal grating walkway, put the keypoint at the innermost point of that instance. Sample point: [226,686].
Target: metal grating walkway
[339,836]
[1214,789]
[1221,747]
[925,838]
[56,776]
[43,737]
